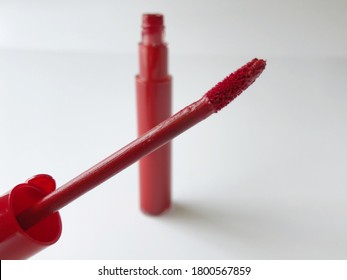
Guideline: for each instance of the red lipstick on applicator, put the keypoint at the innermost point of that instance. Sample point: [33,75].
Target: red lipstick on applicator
[153,94]
[29,218]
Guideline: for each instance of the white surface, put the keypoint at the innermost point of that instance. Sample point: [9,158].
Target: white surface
[263,179]
[233,27]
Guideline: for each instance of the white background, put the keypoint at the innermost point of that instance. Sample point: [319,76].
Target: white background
[263,179]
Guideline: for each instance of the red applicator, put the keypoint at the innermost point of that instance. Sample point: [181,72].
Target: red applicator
[29,212]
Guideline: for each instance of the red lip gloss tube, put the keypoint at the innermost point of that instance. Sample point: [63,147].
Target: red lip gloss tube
[153,94]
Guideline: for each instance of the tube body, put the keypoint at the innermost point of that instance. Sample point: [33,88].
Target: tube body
[153,95]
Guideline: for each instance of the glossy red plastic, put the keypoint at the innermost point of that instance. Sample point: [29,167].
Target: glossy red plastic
[153,94]
[15,242]
[214,100]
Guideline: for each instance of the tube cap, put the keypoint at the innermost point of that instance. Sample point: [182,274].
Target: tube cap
[16,243]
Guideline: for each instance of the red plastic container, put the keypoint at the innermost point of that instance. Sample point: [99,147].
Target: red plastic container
[15,242]
[153,92]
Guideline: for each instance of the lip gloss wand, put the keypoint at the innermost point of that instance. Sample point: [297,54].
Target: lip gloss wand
[29,218]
